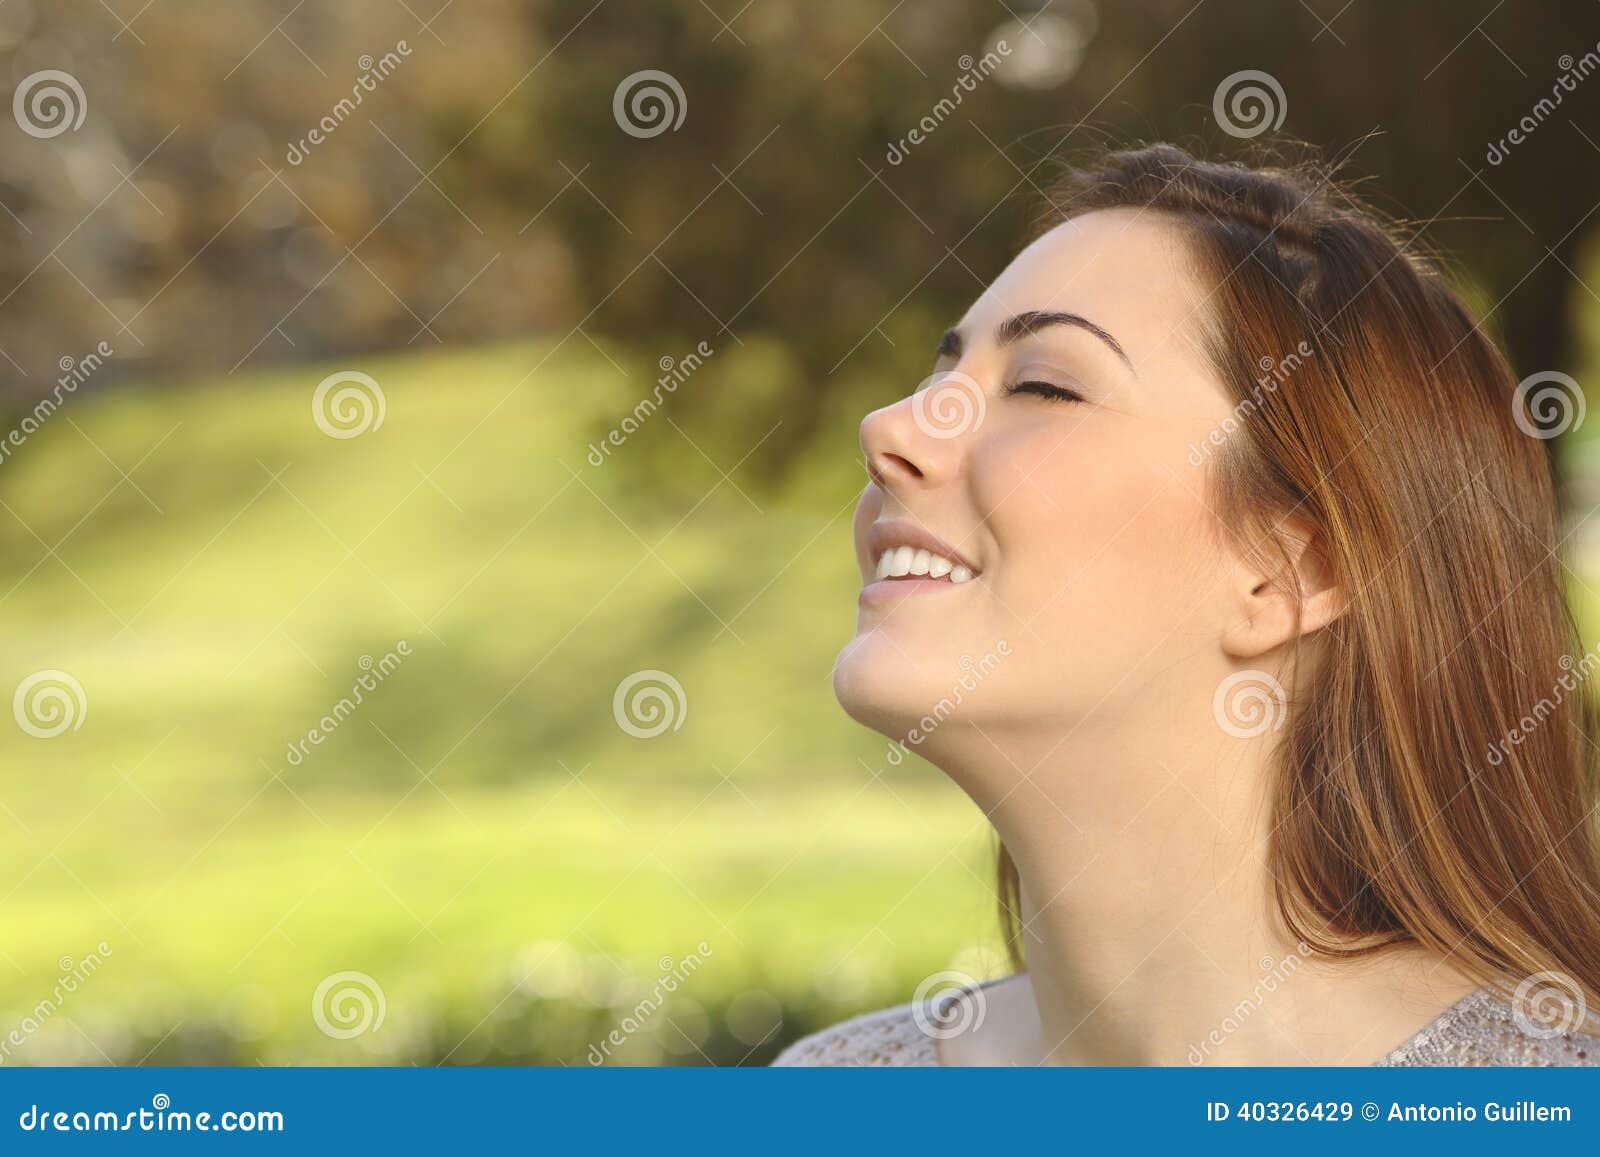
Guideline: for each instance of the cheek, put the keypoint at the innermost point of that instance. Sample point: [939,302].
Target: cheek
[1104,539]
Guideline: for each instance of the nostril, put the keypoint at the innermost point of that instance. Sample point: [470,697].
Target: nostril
[896,462]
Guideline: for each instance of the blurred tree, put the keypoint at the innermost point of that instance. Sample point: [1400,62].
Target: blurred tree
[485,186]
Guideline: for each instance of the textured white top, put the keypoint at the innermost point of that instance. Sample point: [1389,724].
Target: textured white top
[1479,1029]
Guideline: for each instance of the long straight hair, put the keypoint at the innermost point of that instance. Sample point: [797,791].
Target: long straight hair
[1435,780]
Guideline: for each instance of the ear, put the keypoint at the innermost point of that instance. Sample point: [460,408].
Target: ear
[1289,574]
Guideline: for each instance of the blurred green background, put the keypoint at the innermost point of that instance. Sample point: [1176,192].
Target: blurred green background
[480,838]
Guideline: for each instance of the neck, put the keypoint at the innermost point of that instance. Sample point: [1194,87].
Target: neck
[1149,921]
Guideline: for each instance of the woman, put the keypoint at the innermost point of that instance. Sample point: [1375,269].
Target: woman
[1277,716]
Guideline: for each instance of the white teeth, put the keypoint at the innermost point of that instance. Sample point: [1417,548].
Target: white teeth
[901,561]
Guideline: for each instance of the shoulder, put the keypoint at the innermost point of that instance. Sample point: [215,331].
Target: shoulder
[890,1037]
[1484,1029]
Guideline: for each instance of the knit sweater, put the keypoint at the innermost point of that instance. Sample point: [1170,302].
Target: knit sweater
[1479,1029]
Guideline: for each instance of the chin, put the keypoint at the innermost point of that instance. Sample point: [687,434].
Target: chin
[929,693]
[878,686]
[895,687]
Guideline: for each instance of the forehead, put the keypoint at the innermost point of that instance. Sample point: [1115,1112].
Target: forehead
[1127,271]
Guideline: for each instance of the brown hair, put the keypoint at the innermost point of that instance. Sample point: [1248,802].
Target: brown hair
[1437,779]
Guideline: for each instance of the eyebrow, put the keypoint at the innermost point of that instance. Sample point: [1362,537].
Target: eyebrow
[1022,325]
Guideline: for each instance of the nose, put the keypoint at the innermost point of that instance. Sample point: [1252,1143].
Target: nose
[900,450]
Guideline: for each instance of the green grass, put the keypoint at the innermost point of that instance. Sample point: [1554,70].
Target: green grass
[480,836]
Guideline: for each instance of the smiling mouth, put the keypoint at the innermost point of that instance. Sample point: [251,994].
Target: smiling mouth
[907,562]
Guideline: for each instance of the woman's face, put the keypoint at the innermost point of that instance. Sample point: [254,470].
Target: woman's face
[1052,457]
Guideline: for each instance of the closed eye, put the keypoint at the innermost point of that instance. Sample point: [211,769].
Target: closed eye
[1045,390]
